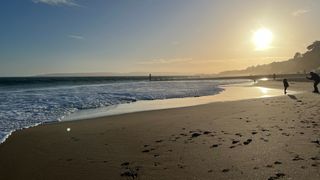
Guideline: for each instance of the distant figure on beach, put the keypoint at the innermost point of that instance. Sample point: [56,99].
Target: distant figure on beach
[149,77]
[285,85]
[316,79]
[274,76]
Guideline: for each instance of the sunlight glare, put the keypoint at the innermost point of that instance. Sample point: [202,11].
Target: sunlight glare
[262,39]
[264,90]
[264,79]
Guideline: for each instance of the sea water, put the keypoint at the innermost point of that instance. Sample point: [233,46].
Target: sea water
[26,102]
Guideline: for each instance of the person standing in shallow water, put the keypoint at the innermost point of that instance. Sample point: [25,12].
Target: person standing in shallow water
[285,85]
[315,77]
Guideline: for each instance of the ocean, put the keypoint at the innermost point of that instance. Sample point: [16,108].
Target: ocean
[30,101]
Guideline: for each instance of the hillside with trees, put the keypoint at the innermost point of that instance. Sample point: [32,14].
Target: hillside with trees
[299,63]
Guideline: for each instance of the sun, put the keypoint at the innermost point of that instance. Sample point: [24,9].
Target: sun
[262,39]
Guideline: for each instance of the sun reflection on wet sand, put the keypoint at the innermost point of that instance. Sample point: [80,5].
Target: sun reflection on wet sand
[231,93]
[263,79]
[264,90]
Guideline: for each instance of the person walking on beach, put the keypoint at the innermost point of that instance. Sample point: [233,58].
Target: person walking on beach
[316,79]
[285,85]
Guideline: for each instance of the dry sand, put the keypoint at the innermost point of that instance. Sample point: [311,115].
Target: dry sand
[268,138]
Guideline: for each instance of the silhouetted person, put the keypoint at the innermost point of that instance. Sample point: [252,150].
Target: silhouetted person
[149,77]
[274,76]
[315,77]
[285,85]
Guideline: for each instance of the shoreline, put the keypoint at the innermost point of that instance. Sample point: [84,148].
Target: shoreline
[230,92]
[233,92]
[23,111]
[182,143]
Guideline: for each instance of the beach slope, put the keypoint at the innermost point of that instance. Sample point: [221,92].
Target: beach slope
[266,138]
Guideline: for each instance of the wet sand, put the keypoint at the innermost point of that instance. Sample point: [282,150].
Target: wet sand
[230,93]
[267,138]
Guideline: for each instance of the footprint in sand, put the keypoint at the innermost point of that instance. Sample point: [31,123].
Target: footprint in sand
[195,135]
[316,142]
[214,146]
[277,176]
[181,166]
[265,140]
[285,134]
[225,170]
[148,150]
[125,164]
[75,139]
[130,172]
[235,141]
[156,164]
[277,162]
[248,141]
[315,158]
[297,158]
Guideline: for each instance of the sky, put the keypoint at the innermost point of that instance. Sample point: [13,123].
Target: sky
[180,36]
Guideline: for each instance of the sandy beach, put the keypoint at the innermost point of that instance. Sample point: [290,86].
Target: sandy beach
[265,138]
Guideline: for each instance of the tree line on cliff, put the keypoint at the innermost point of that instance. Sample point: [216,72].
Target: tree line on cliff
[299,63]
